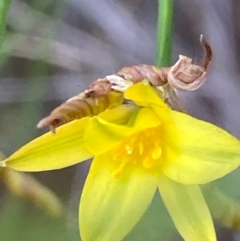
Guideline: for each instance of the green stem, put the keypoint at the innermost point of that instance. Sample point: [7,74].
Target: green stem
[3,18]
[164,33]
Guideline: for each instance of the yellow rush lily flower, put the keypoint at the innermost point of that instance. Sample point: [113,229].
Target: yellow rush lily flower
[137,150]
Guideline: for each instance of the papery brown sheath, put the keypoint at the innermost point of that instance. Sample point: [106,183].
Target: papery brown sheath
[108,92]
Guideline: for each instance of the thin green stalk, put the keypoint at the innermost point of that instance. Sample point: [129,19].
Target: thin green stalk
[4,6]
[164,32]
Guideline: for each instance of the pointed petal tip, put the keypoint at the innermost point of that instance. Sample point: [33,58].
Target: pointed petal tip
[188,211]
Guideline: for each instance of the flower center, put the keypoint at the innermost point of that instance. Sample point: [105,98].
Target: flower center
[142,148]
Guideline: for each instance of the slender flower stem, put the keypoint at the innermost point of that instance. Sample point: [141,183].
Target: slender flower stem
[4,5]
[164,32]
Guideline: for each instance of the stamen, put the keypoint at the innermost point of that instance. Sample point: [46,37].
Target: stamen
[118,172]
[157,153]
[148,162]
[128,149]
[141,148]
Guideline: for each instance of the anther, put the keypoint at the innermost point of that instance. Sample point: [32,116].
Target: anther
[148,163]
[141,148]
[128,149]
[118,172]
[156,153]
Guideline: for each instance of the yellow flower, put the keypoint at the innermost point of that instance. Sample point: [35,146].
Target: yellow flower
[137,150]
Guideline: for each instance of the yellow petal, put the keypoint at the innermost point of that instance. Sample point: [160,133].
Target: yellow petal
[199,152]
[144,95]
[188,209]
[146,118]
[110,207]
[52,151]
[120,115]
[101,135]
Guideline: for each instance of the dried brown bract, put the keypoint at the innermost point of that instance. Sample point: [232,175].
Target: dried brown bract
[108,92]
[185,75]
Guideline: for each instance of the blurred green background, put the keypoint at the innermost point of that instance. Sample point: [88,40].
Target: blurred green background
[53,49]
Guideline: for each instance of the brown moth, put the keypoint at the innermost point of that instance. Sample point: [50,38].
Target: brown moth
[108,92]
